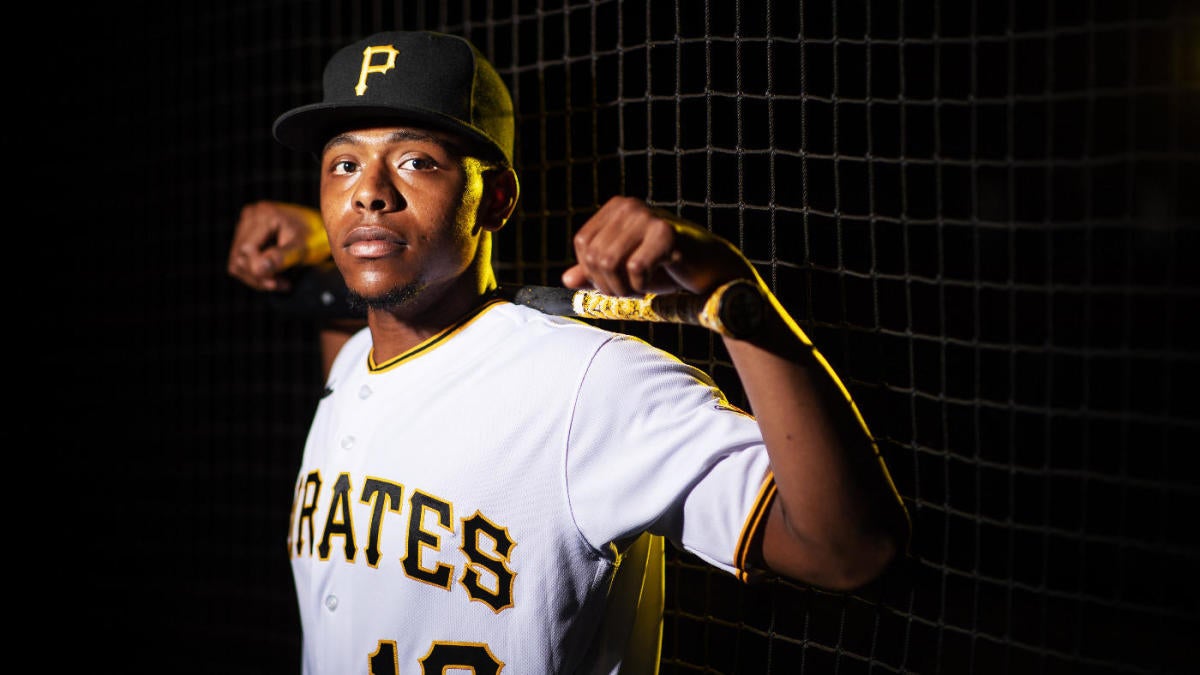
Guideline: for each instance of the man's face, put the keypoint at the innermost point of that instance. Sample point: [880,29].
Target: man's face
[399,205]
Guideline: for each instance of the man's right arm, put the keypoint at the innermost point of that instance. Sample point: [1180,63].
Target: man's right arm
[273,239]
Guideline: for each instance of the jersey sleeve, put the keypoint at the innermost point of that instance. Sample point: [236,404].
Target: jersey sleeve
[655,446]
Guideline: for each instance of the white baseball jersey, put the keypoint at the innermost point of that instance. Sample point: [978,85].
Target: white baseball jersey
[478,503]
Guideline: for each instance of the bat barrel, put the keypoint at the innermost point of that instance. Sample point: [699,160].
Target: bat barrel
[547,299]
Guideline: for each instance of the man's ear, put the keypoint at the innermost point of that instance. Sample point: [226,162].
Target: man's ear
[500,193]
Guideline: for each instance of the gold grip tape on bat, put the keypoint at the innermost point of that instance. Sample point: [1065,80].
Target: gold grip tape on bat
[599,306]
[669,308]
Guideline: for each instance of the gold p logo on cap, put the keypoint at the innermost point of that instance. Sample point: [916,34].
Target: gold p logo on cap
[367,68]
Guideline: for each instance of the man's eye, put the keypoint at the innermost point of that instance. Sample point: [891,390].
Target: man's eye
[418,164]
[344,166]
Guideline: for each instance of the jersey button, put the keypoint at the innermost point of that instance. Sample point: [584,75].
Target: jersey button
[331,602]
[364,392]
[347,442]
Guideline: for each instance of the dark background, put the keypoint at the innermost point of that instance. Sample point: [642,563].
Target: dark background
[984,213]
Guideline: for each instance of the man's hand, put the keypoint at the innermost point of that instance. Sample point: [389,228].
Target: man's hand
[272,237]
[628,248]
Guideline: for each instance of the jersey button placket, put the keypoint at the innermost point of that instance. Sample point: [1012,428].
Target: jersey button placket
[365,393]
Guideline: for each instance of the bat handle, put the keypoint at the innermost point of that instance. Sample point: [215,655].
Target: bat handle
[734,309]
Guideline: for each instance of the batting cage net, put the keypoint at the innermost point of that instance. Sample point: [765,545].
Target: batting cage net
[984,213]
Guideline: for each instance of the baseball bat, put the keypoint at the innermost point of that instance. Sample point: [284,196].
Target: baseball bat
[734,309]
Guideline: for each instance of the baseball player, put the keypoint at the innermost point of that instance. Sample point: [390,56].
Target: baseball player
[486,487]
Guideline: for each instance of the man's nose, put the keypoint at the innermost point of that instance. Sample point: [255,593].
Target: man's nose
[377,192]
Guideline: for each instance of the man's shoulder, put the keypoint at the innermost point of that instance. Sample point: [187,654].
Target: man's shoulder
[537,333]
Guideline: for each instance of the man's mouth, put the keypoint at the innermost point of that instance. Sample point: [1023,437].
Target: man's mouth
[373,242]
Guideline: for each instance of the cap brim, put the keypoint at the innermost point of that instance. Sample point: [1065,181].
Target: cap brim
[308,128]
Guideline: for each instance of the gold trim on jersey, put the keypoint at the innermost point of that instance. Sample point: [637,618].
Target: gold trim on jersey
[756,520]
[433,341]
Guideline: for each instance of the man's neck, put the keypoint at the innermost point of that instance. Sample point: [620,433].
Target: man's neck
[432,309]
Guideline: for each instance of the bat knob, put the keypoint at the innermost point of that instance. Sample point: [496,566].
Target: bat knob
[739,307]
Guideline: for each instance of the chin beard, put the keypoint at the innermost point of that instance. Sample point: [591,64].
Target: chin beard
[390,299]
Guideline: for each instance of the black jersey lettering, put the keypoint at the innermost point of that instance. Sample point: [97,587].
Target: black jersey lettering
[475,656]
[487,547]
[384,660]
[381,495]
[420,538]
[308,490]
[339,522]
[487,574]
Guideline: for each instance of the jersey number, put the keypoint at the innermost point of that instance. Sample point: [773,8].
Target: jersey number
[471,656]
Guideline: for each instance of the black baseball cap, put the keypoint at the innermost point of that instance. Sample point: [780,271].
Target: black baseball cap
[426,78]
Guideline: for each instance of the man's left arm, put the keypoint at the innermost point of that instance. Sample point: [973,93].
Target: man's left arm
[837,520]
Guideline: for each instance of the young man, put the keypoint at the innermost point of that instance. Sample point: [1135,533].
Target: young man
[485,486]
